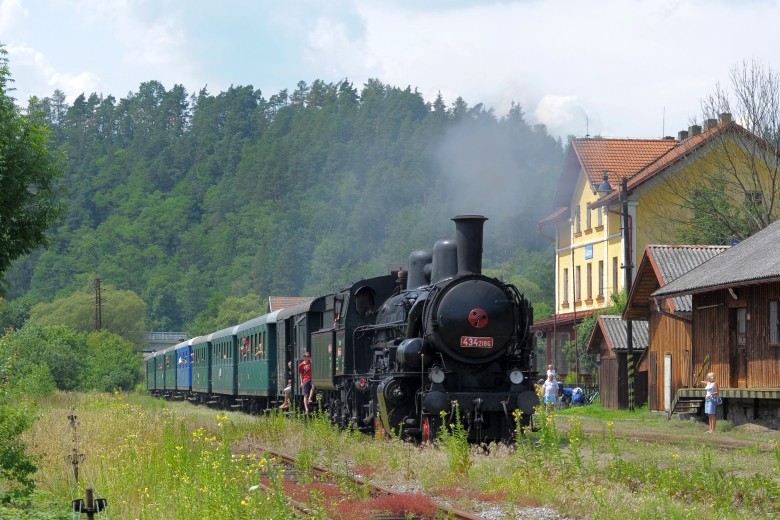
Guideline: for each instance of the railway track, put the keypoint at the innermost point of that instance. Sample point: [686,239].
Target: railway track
[365,496]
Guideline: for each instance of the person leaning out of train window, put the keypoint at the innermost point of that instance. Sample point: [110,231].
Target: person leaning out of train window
[304,374]
[550,392]
[710,405]
[288,389]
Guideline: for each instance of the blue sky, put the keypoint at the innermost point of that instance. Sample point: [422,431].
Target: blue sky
[623,68]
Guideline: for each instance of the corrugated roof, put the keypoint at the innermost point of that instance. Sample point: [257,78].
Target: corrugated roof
[671,262]
[276,303]
[751,261]
[614,330]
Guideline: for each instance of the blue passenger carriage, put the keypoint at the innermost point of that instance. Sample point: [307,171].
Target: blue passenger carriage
[184,369]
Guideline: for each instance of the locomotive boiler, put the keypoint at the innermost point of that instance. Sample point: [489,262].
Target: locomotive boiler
[453,345]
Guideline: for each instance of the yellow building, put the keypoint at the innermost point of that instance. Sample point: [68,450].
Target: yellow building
[606,182]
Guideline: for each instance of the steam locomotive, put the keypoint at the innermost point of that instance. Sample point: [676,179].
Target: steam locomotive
[405,353]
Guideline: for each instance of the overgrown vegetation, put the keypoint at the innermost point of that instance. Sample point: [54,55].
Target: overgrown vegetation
[54,357]
[17,466]
[174,460]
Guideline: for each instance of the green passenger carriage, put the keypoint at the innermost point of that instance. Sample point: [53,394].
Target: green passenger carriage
[224,366]
[257,364]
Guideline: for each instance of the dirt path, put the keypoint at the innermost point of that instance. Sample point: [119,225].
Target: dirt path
[758,436]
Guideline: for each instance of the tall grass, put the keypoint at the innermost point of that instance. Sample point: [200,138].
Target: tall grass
[153,462]
[154,459]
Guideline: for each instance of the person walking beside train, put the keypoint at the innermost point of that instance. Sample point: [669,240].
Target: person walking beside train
[550,392]
[710,401]
[304,374]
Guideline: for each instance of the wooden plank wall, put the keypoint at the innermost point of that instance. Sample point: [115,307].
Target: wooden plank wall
[667,336]
[711,334]
[608,386]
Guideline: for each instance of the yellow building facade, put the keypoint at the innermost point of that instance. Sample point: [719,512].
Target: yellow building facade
[603,179]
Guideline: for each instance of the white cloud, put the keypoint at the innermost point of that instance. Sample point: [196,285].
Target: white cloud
[38,66]
[560,112]
[638,69]
[11,11]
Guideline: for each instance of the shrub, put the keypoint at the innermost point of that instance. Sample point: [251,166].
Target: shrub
[38,381]
[16,467]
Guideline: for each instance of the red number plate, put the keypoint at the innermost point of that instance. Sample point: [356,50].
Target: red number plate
[475,342]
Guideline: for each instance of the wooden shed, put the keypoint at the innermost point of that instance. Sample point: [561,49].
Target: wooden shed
[735,329]
[609,341]
[667,360]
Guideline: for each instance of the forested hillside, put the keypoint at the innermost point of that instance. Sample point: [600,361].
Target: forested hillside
[189,199]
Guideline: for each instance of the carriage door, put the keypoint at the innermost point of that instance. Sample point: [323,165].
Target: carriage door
[738,347]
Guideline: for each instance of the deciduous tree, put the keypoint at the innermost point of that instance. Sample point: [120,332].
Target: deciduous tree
[736,192]
[29,202]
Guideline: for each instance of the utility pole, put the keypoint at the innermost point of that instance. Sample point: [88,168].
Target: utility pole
[627,265]
[98,306]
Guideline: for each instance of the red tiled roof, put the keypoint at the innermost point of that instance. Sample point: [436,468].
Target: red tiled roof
[677,153]
[618,157]
[276,303]
[683,149]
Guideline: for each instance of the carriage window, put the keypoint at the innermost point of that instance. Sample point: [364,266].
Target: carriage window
[774,326]
[364,302]
[259,350]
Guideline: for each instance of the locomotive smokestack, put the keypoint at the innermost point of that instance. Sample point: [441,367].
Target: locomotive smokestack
[468,234]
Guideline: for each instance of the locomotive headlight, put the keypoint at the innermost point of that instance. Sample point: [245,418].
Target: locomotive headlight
[515,376]
[436,374]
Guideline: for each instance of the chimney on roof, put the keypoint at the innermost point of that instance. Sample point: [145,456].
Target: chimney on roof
[694,130]
[709,124]
[724,118]
[682,135]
